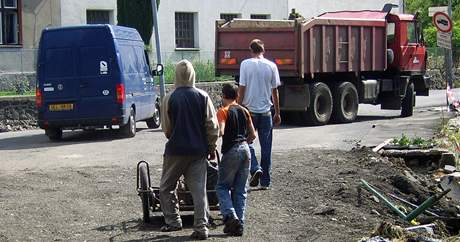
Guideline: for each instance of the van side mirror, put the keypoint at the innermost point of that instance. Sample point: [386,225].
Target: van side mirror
[158,70]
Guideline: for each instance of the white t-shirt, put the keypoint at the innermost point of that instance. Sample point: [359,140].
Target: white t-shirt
[259,76]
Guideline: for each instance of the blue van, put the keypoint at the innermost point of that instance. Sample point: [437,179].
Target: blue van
[94,76]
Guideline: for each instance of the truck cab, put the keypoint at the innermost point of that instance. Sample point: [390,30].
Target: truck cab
[404,38]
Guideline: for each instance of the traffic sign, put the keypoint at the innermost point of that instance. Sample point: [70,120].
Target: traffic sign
[433,10]
[444,40]
[442,22]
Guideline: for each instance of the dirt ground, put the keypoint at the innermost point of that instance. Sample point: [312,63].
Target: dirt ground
[313,198]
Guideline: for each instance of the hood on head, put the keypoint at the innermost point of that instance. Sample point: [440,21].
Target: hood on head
[185,74]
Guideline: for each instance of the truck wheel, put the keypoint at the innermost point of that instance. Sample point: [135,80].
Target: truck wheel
[345,108]
[143,177]
[320,109]
[54,134]
[154,122]
[129,130]
[407,103]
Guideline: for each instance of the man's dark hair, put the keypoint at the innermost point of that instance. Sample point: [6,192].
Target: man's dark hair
[257,46]
[230,91]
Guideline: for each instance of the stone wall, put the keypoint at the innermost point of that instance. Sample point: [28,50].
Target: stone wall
[18,113]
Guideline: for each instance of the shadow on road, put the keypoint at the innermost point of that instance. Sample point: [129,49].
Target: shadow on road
[69,138]
[365,118]
[125,228]
[291,122]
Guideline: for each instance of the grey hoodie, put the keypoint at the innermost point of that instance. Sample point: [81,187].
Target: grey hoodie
[188,117]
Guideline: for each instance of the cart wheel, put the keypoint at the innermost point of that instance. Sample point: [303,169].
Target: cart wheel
[144,180]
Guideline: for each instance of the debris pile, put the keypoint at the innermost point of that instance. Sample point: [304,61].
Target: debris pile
[424,193]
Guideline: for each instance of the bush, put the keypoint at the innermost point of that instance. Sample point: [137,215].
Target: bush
[204,71]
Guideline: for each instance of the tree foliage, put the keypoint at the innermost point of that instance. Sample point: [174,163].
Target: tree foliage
[137,14]
[421,6]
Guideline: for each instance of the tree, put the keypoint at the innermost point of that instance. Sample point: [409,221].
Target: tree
[137,14]
[421,6]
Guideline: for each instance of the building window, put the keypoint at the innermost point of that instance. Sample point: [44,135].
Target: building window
[185,30]
[260,16]
[10,19]
[229,16]
[97,17]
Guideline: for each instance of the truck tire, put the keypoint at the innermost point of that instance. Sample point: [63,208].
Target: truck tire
[129,130]
[345,103]
[155,121]
[54,134]
[320,109]
[143,177]
[407,103]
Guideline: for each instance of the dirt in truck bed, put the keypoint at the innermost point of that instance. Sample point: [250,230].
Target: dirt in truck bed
[314,197]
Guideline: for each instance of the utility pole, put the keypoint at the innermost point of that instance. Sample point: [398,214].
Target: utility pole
[449,53]
[401,6]
[156,29]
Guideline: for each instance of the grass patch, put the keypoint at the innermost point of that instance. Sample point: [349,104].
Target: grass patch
[448,136]
[14,93]
[405,141]
[204,71]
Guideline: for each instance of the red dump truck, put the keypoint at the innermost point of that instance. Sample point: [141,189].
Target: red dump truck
[331,63]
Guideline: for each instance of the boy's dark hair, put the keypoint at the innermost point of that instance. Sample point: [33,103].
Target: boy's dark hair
[230,91]
[257,46]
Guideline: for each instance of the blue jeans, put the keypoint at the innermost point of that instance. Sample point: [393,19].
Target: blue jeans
[233,174]
[263,123]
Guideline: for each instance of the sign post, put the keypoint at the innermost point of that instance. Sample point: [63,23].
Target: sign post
[156,29]
[443,23]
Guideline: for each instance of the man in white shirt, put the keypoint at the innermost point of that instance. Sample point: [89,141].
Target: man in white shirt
[259,79]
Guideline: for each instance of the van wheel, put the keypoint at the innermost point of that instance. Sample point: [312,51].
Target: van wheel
[320,109]
[155,121]
[345,103]
[129,130]
[54,134]
[407,103]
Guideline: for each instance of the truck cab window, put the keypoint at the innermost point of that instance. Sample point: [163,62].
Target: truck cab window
[411,33]
[390,33]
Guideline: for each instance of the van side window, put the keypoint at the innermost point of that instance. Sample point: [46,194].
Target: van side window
[129,58]
[140,56]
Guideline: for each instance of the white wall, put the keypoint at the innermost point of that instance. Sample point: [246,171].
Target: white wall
[313,8]
[73,12]
[208,11]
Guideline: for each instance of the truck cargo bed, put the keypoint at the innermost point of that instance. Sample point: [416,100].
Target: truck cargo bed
[325,44]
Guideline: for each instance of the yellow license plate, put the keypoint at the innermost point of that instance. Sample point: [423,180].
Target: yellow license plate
[61,107]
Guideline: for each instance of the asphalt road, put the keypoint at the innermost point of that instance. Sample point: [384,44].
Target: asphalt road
[31,150]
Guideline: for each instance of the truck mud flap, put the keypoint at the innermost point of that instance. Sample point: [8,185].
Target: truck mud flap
[294,97]
[422,85]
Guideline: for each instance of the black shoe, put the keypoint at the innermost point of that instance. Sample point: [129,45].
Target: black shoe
[239,231]
[170,228]
[231,225]
[199,235]
[255,178]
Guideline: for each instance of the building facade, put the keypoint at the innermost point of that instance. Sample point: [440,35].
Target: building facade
[22,21]
[186,26]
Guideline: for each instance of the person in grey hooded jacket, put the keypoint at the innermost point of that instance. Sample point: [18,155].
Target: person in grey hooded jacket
[190,123]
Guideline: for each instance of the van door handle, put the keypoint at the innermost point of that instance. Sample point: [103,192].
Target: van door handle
[83,85]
